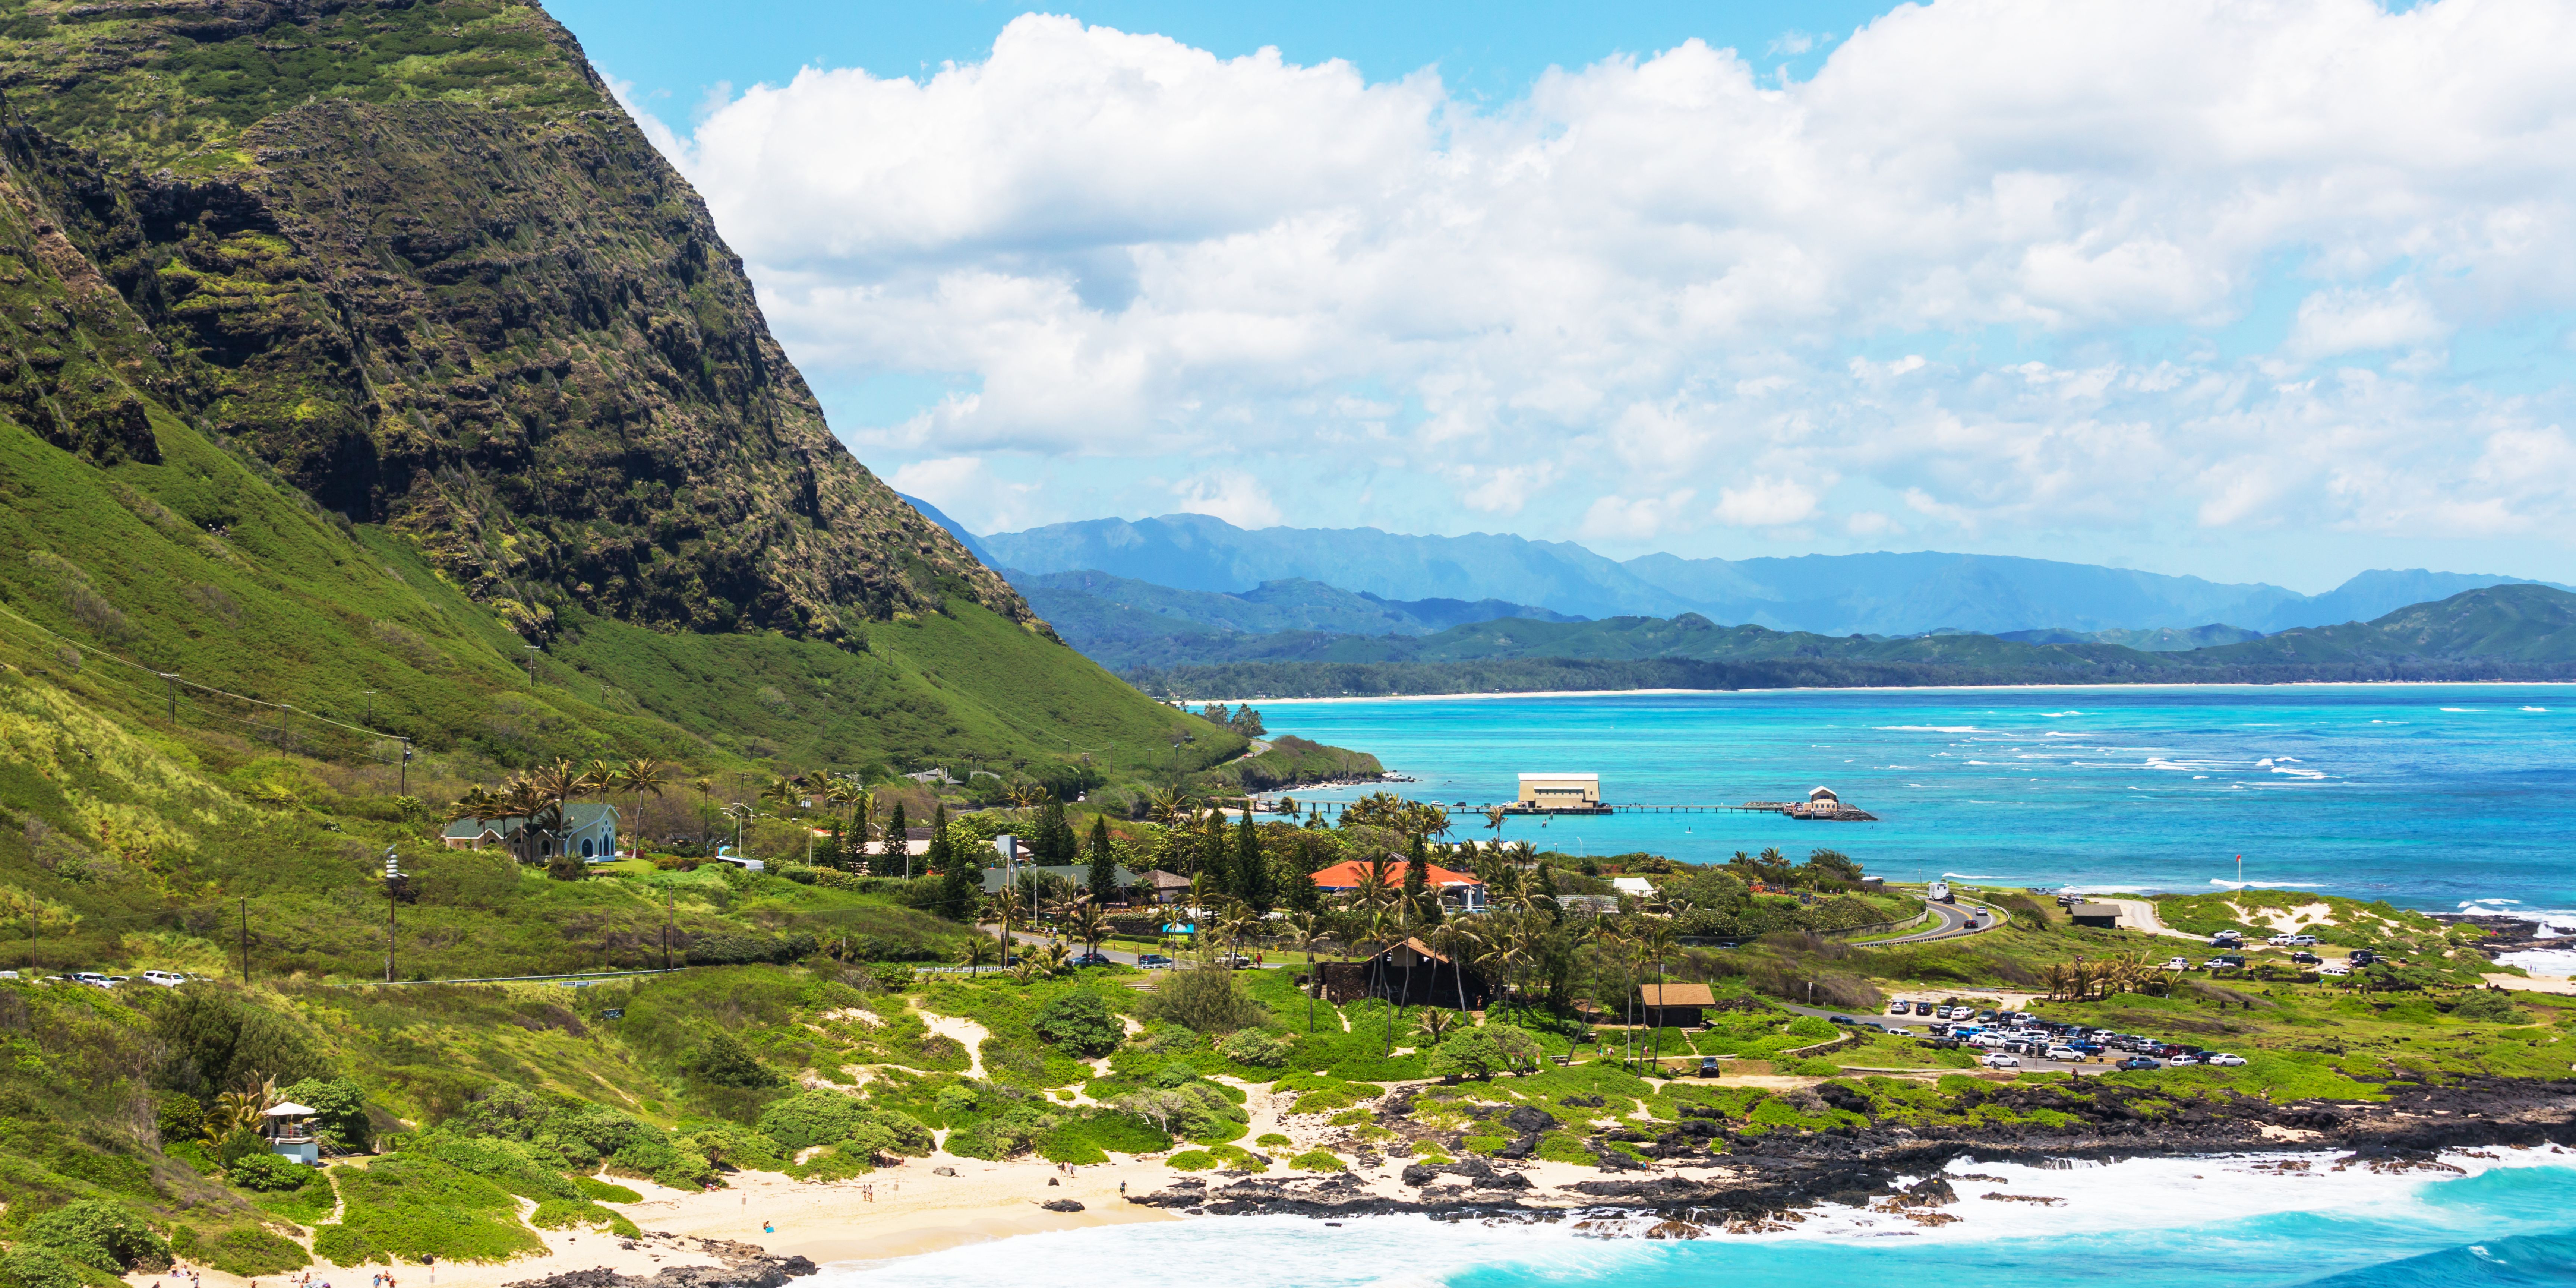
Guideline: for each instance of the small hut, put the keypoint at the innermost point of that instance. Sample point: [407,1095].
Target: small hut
[2104,915]
[1674,1006]
[289,1137]
[1410,973]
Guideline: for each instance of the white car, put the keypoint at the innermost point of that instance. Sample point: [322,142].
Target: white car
[2065,1053]
[2177,963]
[1999,1060]
[2279,941]
[2336,969]
[2225,1060]
[2303,941]
[90,977]
[1900,1007]
[164,978]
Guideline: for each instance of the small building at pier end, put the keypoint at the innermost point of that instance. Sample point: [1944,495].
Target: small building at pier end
[1553,792]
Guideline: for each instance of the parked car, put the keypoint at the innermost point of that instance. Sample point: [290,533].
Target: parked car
[2363,957]
[89,977]
[2182,1060]
[2138,1062]
[1091,959]
[2177,963]
[1900,1007]
[2225,1060]
[2000,1060]
[1708,1066]
[2303,941]
[164,978]
[2334,970]
[1153,961]
[8,974]
[2306,959]
[2064,1053]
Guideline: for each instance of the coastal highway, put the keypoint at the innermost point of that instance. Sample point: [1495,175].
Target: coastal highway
[1956,921]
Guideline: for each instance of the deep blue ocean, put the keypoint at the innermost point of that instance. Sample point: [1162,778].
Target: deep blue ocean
[2147,1222]
[2428,796]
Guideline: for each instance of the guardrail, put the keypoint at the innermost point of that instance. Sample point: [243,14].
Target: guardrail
[510,979]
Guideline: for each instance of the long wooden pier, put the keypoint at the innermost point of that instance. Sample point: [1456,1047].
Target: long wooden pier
[1801,810]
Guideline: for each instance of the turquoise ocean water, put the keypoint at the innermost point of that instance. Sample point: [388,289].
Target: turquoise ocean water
[2428,796]
[2148,1222]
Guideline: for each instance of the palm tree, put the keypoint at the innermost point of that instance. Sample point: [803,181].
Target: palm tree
[1090,924]
[1436,1024]
[974,952]
[1308,926]
[782,791]
[644,776]
[1169,807]
[1457,940]
[1238,923]
[1007,904]
[1494,817]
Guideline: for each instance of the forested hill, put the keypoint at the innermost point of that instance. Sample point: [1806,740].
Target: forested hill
[351,348]
[2512,632]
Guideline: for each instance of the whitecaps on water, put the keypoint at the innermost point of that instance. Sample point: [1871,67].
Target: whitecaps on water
[1928,729]
[2122,1200]
[2541,961]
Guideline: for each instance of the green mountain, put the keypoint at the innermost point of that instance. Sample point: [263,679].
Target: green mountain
[1123,623]
[349,352]
[2509,632]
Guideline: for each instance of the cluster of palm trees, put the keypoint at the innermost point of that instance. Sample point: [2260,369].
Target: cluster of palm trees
[539,797]
[2084,978]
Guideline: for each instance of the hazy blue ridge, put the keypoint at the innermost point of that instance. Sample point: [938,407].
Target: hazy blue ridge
[974,544]
[2163,639]
[1870,594]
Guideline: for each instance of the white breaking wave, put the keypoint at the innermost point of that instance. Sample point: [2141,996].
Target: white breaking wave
[2535,709]
[2268,885]
[1402,1251]
[2058,715]
[1929,729]
[2559,962]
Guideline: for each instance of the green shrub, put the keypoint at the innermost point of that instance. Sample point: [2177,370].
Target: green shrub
[1191,1160]
[1815,1069]
[571,1214]
[2488,1007]
[600,1191]
[194,1154]
[1257,1048]
[509,1164]
[1204,1001]
[30,1265]
[269,1173]
[1318,1160]
[1079,1022]
[1273,1140]
[246,1251]
[1481,1053]
[660,1161]
[724,1061]
[411,1206]
[342,1246]
[178,1117]
[95,1232]
[740,1148]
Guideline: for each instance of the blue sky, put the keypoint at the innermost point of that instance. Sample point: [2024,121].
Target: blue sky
[2259,294]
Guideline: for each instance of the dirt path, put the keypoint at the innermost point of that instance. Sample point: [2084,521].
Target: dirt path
[2140,914]
[964,1030]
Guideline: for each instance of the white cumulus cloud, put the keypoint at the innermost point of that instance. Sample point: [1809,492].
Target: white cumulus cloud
[1676,273]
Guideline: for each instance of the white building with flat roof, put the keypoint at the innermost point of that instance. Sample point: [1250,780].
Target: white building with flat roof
[1560,791]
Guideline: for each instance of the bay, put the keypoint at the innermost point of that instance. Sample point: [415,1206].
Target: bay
[2436,797]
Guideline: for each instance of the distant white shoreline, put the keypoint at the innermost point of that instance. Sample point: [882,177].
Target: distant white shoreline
[1915,688]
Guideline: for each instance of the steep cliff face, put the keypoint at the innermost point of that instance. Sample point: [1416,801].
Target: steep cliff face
[412,256]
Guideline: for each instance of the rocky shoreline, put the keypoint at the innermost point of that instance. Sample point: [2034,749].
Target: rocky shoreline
[740,1265]
[1712,1178]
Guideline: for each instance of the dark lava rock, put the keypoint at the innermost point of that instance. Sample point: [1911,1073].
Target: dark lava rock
[1519,1147]
[1595,1102]
[1062,1205]
[1528,1121]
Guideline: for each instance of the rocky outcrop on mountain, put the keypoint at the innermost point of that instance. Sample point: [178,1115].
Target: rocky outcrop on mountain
[413,257]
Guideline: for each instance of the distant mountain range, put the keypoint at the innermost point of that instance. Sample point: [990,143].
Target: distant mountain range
[2512,632]
[1123,623]
[1866,594]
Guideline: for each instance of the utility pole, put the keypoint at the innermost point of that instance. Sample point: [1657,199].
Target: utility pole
[170,693]
[285,713]
[531,651]
[405,789]
[245,942]
[393,874]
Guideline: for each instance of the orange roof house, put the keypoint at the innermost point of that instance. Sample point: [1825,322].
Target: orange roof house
[1353,874]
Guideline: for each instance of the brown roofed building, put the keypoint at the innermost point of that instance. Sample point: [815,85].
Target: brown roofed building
[1674,1006]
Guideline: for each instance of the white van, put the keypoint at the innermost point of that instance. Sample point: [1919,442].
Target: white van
[164,978]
